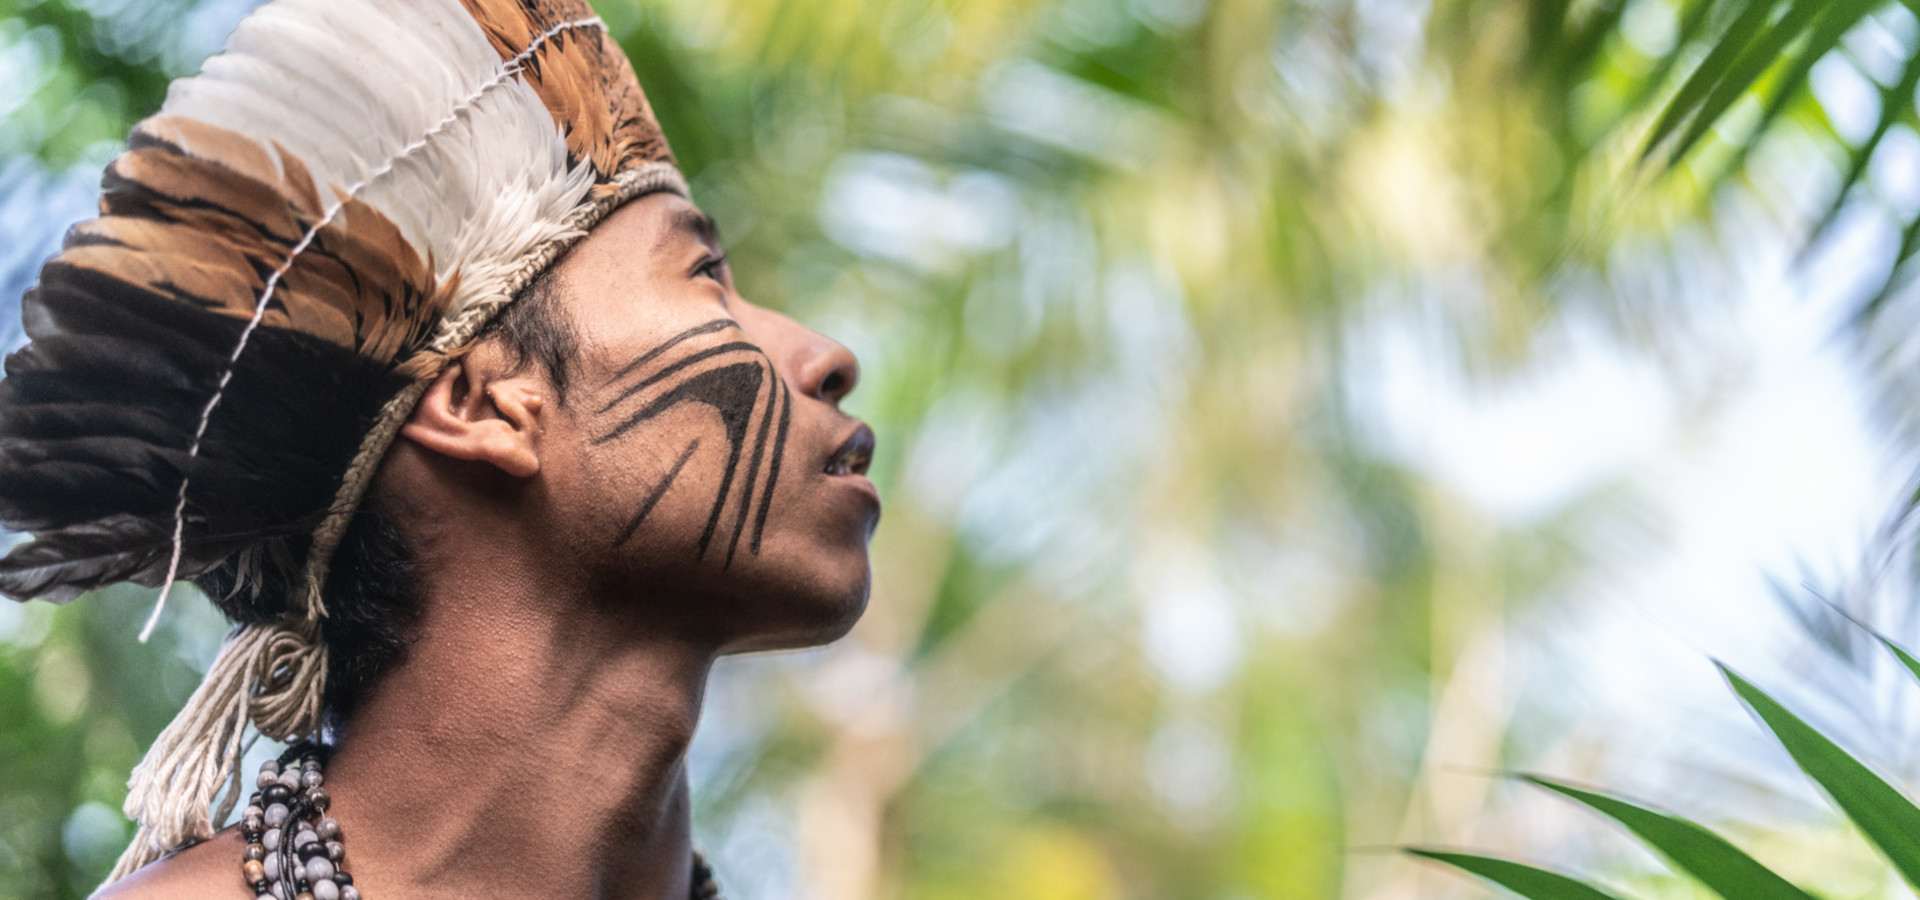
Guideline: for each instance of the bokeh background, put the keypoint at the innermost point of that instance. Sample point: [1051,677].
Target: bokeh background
[1294,414]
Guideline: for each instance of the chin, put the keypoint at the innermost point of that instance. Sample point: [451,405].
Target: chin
[802,616]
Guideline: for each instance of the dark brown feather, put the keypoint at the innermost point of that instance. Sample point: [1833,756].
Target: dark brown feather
[211,231]
[132,326]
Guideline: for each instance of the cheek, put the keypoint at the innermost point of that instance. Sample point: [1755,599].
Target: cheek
[818,516]
[813,570]
[647,496]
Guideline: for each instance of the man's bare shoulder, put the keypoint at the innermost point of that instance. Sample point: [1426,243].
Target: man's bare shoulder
[209,870]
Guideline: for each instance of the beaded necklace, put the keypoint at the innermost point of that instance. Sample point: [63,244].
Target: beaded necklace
[293,846]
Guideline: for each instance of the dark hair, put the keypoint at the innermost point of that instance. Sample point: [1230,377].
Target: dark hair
[535,329]
[371,609]
[371,589]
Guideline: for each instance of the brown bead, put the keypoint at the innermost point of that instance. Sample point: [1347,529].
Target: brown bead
[256,851]
[303,895]
[336,851]
[254,871]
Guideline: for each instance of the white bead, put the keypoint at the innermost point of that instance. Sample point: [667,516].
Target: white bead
[276,814]
[326,890]
[349,893]
[271,840]
[318,868]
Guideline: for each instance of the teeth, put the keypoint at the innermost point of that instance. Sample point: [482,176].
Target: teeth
[852,459]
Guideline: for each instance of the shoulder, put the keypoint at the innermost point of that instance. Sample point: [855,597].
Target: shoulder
[209,870]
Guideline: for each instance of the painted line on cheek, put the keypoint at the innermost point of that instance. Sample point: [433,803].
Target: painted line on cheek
[657,377]
[659,490]
[732,390]
[753,463]
[672,342]
[773,468]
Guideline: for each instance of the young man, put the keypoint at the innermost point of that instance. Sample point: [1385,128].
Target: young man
[485,519]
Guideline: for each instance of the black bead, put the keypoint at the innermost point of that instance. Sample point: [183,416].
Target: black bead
[318,797]
[262,886]
[311,850]
[276,794]
[342,878]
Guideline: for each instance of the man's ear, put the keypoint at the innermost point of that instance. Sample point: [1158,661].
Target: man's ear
[474,411]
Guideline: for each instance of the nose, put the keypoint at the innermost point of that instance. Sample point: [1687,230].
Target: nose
[823,368]
[814,364]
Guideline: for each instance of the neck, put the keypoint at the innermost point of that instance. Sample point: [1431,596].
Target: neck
[518,752]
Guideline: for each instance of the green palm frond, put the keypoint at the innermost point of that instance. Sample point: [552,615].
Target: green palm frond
[1706,856]
[1520,878]
[1886,816]
[1765,52]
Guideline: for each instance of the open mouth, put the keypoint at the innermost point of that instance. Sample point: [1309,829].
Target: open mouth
[854,456]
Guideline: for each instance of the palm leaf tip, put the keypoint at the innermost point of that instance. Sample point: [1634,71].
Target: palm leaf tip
[1691,847]
[1520,878]
[1907,660]
[1888,819]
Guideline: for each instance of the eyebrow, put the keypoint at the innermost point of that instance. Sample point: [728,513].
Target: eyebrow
[697,222]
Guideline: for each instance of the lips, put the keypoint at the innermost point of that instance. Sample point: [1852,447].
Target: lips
[854,455]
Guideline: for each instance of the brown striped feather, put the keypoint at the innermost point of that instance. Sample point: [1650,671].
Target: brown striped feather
[205,216]
[584,79]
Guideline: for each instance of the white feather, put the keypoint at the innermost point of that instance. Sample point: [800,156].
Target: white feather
[407,106]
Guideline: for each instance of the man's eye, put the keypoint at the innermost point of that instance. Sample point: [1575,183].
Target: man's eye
[714,267]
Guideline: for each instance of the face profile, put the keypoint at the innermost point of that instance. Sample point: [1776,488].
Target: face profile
[698,450]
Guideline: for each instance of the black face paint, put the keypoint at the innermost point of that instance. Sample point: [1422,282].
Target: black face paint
[733,388]
[659,490]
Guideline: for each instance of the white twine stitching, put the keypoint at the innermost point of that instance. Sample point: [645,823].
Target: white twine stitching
[507,72]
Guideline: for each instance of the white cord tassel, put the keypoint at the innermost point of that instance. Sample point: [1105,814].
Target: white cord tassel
[271,674]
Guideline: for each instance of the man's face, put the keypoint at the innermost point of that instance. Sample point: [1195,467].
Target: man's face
[701,461]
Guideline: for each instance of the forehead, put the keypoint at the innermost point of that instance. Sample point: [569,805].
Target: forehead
[638,239]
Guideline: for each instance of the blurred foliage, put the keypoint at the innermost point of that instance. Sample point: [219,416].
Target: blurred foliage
[1732,81]
[78,73]
[1154,616]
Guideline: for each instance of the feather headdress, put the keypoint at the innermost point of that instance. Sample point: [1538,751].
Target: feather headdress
[307,232]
